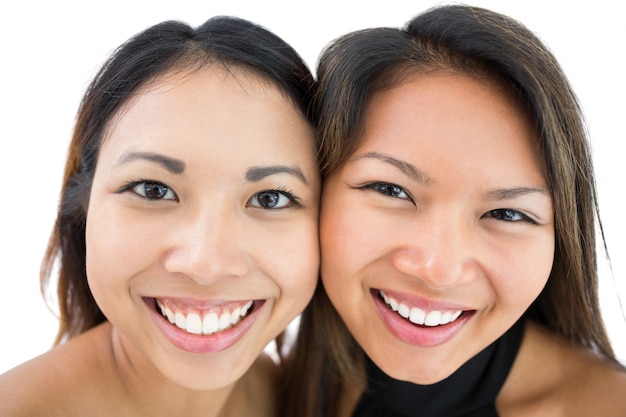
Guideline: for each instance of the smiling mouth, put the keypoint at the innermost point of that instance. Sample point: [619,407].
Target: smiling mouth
[204,321]
[418,316]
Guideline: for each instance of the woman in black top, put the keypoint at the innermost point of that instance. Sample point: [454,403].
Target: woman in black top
[457,231]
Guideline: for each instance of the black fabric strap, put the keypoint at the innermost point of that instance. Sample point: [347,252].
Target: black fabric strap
[471,391]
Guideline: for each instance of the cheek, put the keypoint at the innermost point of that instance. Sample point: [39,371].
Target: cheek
[345,247]
[114,250]
[292,260]
[103,262]
[523,271]
[335,236]
[351,236]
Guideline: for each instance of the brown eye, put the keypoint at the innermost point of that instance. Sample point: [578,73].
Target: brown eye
[509,215]
[273,199]
[152,190]
[268,199]
[388,189]
[155,191]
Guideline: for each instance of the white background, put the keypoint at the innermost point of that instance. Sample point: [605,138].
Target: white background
[49,51]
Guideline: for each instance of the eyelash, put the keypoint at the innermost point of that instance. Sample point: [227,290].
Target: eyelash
[131,185]
[504,212]
[500,214]
[379,186]
[293,200]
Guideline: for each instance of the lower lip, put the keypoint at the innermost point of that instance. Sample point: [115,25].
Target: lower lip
[414,334]
[196,343]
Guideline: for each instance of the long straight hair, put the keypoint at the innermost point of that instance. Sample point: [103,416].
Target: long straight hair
[479,43]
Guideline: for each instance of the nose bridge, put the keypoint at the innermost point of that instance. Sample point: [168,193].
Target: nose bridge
[438,250]
[208,245]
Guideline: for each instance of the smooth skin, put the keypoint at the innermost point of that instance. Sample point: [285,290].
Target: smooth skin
[445,209]
[205,197]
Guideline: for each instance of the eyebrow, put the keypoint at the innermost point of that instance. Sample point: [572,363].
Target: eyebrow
[175,166]
[254,174]
[512,193]
[406,168]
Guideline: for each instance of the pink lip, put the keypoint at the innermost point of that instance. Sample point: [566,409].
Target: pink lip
[416,335]
[203,304]
[193,343]
[421,302]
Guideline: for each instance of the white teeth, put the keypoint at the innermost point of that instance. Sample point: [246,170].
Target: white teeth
[418,316]
[234,316]
[224,321]
[211,323]
[445,317]
[180,320]
[170,315]
[167,312]
[404,311]
[193,324]
[433,318]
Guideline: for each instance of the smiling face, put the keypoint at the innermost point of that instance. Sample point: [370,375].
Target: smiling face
[202,223]
[437,234]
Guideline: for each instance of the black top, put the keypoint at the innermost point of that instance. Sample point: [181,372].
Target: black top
[471,391]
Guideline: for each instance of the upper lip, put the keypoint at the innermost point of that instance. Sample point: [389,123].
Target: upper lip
[203,304]
[426,304]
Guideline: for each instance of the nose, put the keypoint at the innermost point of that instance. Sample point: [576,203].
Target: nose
[208,245]
[439,253]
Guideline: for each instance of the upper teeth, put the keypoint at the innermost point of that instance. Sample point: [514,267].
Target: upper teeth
[418,316]
[209,323]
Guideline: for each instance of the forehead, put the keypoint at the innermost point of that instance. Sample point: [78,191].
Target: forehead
[214,109]
[214,74]
[452,116]
[448,96]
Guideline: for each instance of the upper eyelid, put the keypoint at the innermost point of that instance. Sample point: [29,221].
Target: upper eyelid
[130,185]
[534,202]
[294,200]
[287,193]
[525,217]
[370,185]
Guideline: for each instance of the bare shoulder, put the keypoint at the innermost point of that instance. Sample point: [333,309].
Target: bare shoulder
[555,377]
[52,384]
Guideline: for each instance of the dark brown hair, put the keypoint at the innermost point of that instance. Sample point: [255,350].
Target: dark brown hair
[479,43]
[164,47]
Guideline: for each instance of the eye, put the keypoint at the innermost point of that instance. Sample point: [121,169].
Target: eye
[273,200]
[388,189]
[151,190]
[509,215]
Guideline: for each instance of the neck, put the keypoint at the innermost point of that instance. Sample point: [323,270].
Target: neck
[144,390]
